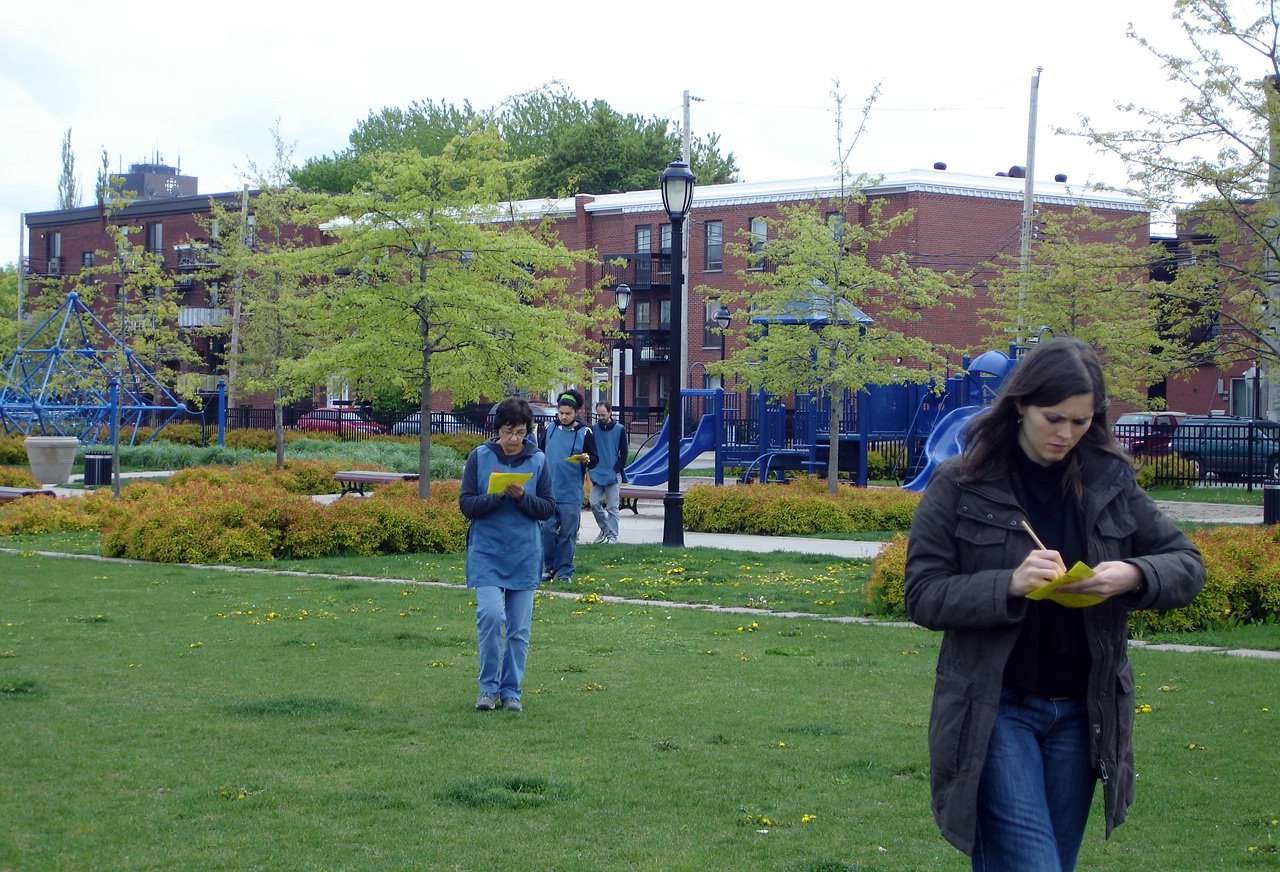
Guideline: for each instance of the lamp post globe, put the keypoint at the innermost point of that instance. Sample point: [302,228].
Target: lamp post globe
[677,196]
[722,317]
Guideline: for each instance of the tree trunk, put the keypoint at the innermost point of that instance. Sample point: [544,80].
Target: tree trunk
[833,427]
[424,425]
[278,407]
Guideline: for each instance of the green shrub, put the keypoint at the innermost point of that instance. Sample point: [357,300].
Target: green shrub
[12,452]
[1242,582]
[1170,471]
[802,508]
[16,476]
[297,477]
[463,443]
[885,590]
[33,515]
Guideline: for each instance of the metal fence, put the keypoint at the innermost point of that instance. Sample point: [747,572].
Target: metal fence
[1231,452]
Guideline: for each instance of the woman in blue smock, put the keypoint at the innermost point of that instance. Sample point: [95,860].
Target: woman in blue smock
[504,550]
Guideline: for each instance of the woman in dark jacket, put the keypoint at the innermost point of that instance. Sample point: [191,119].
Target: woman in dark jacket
[504,549]
[1033,701]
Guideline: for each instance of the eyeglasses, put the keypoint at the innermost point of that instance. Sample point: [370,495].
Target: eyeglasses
[506,431]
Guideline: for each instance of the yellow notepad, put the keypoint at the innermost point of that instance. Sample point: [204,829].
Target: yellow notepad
[1079,572]
[578,458]
[498,481]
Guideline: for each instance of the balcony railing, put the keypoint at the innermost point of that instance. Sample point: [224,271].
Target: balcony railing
[642,272]
[42,266]
[192,317]
[650,346]
[193,257]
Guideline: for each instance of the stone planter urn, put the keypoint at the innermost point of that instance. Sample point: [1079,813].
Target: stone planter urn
[51,457]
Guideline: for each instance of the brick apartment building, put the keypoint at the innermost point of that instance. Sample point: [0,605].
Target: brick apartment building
[961,221]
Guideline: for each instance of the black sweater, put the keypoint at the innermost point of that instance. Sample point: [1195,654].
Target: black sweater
[1051,656]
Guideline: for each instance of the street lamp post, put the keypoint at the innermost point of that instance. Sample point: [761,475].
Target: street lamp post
[722,317]
[622,298]
[677,197]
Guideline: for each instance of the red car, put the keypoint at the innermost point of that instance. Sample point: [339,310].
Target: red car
[332,419]
[1146,433]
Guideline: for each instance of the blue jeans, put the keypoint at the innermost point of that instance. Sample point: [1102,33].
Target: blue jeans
[604,505]
[501,672]
[560,539]
[1036,788]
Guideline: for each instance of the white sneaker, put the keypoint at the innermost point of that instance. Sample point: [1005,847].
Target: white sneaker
[601,539]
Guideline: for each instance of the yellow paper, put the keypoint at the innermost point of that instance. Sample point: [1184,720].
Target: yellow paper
[578,458]
[1079,572]
[498,481]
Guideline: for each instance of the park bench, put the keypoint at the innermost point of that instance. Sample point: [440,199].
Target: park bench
[9,494]
[630,494]
[356,480]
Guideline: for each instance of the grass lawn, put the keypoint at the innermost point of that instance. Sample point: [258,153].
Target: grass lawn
[158,717]
[1234,496]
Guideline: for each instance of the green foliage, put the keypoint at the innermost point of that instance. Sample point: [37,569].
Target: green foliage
[16,476]
[463,443]
[1090,278]
[1213,150]
[297,477]
[1242,583]
[12,451]
[8,310]
[205,518]
[801,508]
[1172,471]
[885,591]
[442,286]
[576,146]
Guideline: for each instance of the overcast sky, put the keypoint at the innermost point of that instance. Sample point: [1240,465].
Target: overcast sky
[204,85]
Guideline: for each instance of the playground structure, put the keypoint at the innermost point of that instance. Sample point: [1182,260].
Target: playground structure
[72,374]
[766,439]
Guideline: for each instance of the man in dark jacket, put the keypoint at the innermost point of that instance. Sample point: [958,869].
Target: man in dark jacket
[571,450]
[607,477]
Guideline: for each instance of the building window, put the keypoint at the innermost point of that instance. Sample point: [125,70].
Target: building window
[53,252]
[642,390]
[710,329]
[664,315]
[664,248]
[664,382]
[759,236]
[86,259]
[644,239]
[643,249]
[155,237]
[713,250]
[642,314]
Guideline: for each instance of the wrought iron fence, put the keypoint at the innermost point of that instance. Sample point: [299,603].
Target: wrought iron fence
[1221,451]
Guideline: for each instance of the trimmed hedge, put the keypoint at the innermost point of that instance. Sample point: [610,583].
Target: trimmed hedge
[297,477]
[12,452]
[801,508]
[1171,471]
[249,513]
[16,476]
[1242,582]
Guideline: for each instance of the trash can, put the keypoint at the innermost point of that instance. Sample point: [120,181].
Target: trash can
[97,470]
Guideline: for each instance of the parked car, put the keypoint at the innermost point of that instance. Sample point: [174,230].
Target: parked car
[1146,433]
[332,419]
[1228,447]
[543,414]
[441,422]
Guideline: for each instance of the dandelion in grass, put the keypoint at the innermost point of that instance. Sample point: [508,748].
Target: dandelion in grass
[1167,688]
[8,653]
[1196,746]
[440,664]
[271,616]
[196,645]
[1143,709]
[779,744]
[592,687]
[808,818]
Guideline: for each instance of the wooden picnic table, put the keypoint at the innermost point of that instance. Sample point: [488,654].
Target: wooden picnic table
[9,494]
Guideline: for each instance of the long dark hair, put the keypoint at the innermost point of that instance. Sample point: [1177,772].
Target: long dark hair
[1045,376]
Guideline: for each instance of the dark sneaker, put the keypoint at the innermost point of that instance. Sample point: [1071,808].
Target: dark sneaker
[547,575]
[601,539]
[512,704]
[486,702]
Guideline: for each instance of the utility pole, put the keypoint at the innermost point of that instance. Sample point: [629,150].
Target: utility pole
[1271,86]
[233,365]
[1028,209]
[686,141]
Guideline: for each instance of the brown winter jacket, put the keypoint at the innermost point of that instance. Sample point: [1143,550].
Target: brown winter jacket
[966,540]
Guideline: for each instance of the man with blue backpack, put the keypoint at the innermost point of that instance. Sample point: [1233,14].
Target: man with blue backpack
[570,448]
[608,477]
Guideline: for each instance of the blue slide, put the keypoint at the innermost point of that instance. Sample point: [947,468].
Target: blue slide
[651,469]
[945,442]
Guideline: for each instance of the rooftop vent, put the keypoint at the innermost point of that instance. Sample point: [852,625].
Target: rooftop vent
[1017,172]
[1060,177]
[939,165]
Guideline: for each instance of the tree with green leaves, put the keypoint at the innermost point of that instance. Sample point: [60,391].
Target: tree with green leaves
[431,284]
[575,146]
[8,310]
[68,187]
[258,271]
[1213,165]
[828,276]
[1090,277]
